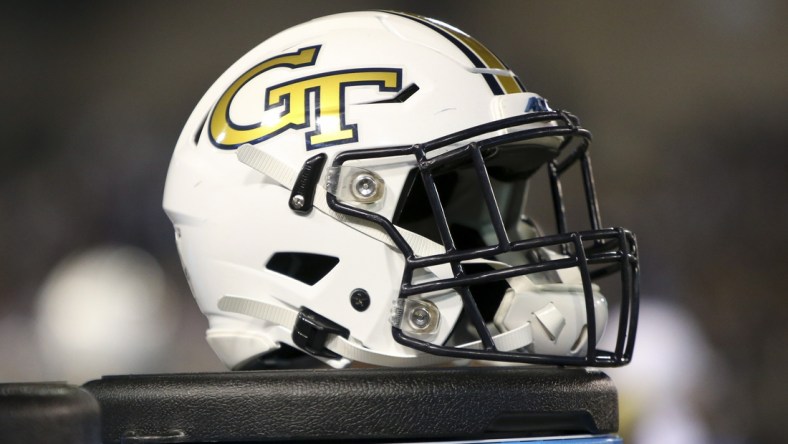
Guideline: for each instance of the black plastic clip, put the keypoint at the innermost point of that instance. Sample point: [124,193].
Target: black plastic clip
[311,331]
[303,195]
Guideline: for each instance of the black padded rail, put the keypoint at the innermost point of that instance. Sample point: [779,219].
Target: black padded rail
[48,413]
[362,405]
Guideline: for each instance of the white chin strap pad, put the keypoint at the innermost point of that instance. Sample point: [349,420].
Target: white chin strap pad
[557,315]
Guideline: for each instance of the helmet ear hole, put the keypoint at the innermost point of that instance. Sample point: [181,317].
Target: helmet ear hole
[308,268]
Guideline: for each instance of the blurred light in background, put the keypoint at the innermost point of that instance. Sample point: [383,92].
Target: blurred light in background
[674,377]
[104,311]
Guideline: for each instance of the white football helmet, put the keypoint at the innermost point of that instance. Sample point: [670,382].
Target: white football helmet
[353,187]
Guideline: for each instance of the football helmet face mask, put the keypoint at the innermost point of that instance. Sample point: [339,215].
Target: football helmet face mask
[355,186]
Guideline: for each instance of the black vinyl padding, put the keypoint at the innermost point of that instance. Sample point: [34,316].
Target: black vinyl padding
[362,405]
[48,413]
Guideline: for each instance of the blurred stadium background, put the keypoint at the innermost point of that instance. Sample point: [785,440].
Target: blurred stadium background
[687,100]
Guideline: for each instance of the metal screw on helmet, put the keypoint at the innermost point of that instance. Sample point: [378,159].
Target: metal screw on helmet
[297,201]
[366,188]
[420,318]
[359,299]
[423,317]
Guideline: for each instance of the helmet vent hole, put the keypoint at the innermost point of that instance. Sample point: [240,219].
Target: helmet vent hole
[308,268]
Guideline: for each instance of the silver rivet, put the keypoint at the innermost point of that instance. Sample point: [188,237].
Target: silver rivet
[364,187]
[420,318]
[297,201]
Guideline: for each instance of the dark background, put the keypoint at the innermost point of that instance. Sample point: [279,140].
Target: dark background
[688,102]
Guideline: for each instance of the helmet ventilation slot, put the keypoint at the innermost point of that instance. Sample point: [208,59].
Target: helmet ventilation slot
[308,268]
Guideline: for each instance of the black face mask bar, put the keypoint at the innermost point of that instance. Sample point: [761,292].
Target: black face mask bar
[595,253]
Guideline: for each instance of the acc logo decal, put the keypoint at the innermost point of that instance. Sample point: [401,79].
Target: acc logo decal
[293,99]
[536,104]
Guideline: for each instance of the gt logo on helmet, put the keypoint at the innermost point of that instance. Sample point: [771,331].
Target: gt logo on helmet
[292,102]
